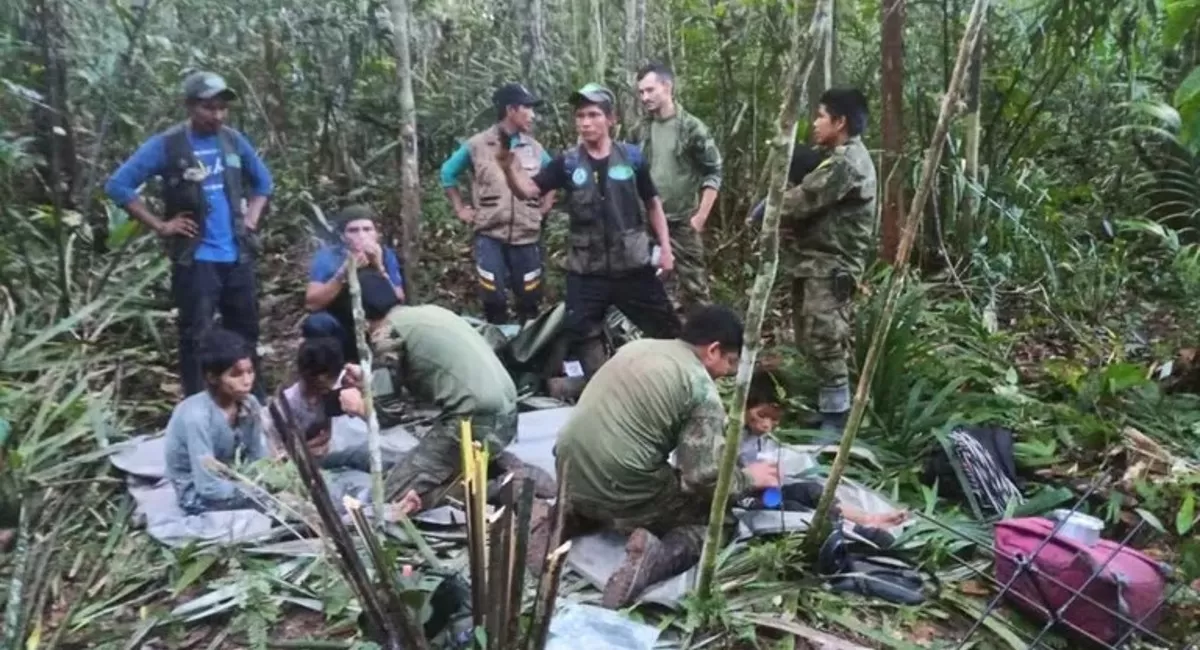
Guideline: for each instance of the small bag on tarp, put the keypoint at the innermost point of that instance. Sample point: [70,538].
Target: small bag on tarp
[1120,586]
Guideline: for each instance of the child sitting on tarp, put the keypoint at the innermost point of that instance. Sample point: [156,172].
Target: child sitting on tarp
[764,409]
[222,423]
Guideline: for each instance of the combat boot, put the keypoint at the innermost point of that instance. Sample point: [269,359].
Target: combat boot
[832,425]
[592,355]
[648,561]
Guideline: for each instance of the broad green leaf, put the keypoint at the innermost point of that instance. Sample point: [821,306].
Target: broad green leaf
[1186,517]
[194,570]
[1188,90]
[1154,521]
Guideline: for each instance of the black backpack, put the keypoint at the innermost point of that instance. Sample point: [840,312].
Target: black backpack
[976,466]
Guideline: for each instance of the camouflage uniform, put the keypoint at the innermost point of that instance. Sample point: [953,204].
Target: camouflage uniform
[441,360]
[831,221]
[684,159]
[652,398]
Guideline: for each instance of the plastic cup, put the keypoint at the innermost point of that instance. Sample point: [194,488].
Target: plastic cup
[772,498]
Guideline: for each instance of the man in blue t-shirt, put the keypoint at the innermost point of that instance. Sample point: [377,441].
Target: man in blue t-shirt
[214,190]
[328,295]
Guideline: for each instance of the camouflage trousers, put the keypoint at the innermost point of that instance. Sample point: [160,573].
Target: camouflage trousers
[822,316]
[436,461]
[682,515]
[688,286]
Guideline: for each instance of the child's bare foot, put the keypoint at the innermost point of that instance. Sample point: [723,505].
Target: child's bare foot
[886,520]
[408,505]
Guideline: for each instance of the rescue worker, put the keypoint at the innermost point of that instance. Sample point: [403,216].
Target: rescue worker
[830,217]
[215,188]
[607,186]
[327,297]
[440,359]
[685,164]
[652,399]
[508,230]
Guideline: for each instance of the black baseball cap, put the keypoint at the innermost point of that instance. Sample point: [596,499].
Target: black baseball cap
[514,94]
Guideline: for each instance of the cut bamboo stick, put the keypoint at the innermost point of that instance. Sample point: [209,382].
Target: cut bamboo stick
[543,609]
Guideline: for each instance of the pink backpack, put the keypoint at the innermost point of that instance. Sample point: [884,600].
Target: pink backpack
[1128,589]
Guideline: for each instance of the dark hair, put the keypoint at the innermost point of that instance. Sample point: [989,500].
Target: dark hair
[804,160]
[378,295]
[762,390]
[658,69]
[848,103]
[714,324]
[320,356]
[220,349]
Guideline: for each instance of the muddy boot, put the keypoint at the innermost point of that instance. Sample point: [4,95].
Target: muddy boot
[544,486]
[648,561]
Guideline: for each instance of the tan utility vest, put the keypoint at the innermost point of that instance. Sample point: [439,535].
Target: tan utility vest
[498,213]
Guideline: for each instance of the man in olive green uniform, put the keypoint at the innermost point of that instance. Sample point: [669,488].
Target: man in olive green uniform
[686,167]
[441,360]
[831,218]
[654,397]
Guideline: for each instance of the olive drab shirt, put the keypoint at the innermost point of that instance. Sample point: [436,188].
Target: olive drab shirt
[498,213]
[652,398]
[683,158]
[830,216]
[442,360]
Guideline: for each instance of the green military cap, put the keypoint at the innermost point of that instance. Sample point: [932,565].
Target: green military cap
[355,212]
[206,85]
[594,93]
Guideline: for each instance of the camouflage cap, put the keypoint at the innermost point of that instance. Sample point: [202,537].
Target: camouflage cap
[206,85]
[594,93]
[355,212]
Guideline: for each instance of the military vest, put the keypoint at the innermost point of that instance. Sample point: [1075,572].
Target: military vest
[182,194]
[499,214]
[607,231]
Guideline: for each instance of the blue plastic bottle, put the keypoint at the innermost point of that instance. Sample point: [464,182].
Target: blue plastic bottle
[772,498]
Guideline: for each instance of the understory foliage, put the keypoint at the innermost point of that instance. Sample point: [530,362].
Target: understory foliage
[1058,292]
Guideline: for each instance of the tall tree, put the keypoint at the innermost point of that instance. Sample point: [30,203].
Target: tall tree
[951,103]
[971,157]
[801,60]
[410,182]
[533,45]
[599,55]
[635,38]
[892,94]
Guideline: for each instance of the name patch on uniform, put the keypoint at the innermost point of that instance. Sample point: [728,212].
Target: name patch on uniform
[620,172]
[579,177]
[233,160]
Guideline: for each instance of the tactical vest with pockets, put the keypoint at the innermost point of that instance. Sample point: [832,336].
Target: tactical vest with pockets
[607,231]
[181,194]
[499,214]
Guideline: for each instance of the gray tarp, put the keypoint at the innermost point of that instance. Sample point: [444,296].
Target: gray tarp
[594,557]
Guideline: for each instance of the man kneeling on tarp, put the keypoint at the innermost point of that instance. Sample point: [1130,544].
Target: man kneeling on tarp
[219,423]
[654,397]
[441,360]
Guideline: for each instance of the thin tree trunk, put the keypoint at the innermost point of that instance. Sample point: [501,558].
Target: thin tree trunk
[805,48]
[971,155]
[533,48]
[596,40]
[410,183]
[374,441]
[892,93]
[635,34]
[950,107]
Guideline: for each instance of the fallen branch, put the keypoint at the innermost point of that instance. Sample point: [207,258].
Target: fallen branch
[951,106]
